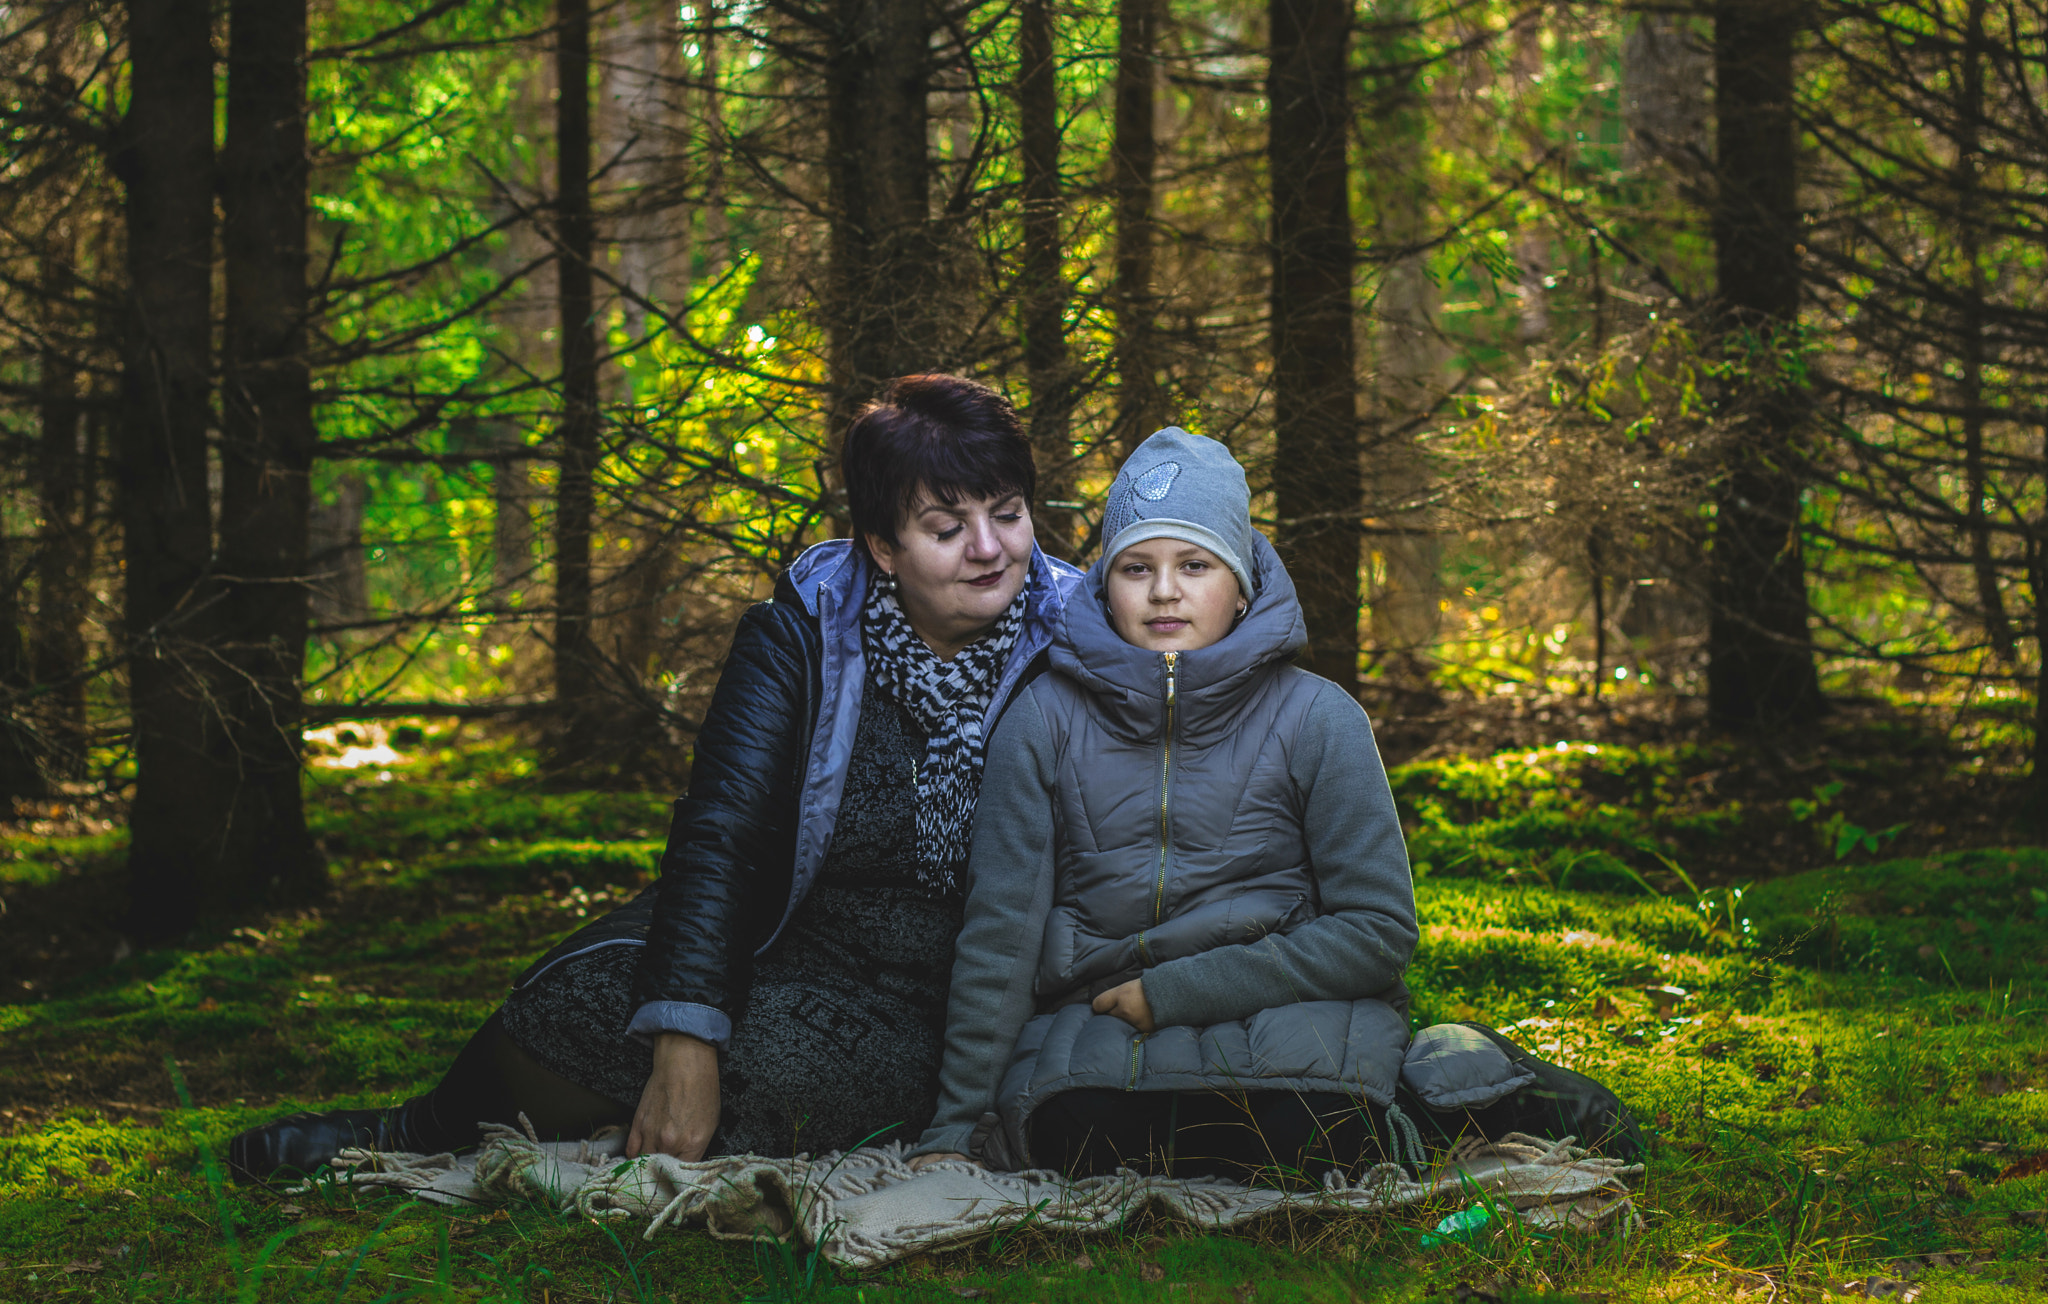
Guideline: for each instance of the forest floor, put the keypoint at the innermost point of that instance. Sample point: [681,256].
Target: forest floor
[1854,1088]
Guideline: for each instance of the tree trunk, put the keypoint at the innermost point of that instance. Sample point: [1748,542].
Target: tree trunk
[1970,234]
[512,566]
[650,230]
[1408,347]
[1759,652]
[267,441]
[165,160]
[1042,303]
[1315,398]
[64,543]
[2037,581]
[715,251]
[1141,405]
[335,565]
[884,318]
[1665,76]
[21,773]
[577,665]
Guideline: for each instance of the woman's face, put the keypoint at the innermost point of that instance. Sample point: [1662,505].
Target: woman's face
[1169,596]
[957,567]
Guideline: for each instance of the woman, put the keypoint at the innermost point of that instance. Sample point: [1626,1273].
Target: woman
[1190,906]
[782,986]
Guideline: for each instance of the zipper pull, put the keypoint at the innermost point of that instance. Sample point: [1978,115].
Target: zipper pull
[1172,659]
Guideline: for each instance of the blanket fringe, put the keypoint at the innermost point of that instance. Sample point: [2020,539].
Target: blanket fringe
[868,1207]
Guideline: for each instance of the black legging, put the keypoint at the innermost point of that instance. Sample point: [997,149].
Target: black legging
[1271,1137]
[493,1081]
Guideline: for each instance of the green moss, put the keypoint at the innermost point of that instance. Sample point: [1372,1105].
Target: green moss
[1603,818]
[38,862]
[1969,917]
[1826,1097]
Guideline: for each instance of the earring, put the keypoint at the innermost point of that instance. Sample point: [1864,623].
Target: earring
[888,581]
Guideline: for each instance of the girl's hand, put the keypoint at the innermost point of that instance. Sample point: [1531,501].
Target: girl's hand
[1127,1002]
[679,1105]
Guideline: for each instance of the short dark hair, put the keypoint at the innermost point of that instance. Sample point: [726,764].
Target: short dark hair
[952,437]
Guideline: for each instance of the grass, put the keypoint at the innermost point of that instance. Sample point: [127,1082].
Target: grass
[1853,1074]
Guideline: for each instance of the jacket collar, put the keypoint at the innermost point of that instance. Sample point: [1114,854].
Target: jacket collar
[1127,684]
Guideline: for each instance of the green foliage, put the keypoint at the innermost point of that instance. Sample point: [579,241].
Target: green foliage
[1821,1089]
[1966,918]
[1602,818]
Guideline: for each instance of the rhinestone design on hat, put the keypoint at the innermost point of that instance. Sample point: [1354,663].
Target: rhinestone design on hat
[1157,482]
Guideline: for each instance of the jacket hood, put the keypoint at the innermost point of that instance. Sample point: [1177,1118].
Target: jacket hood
[1212,684]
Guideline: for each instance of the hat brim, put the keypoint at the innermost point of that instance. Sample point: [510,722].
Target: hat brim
[1166,527]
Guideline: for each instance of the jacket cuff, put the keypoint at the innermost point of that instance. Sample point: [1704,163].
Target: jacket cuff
[1175,1001]
[942,1140]
[704,1022]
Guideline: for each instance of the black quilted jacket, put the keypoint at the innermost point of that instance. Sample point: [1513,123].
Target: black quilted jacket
[725,875]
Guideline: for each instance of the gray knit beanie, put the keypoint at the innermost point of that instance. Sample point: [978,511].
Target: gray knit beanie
[1186,487]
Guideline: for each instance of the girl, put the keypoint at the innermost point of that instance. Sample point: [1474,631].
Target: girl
[1189,906]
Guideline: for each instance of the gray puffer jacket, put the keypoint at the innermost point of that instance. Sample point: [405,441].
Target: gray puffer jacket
[1216,821]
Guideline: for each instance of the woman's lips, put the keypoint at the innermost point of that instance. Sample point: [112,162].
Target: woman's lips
[986,581]
[1166,626]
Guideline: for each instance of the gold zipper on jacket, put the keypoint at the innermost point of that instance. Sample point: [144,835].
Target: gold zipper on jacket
[1165,779]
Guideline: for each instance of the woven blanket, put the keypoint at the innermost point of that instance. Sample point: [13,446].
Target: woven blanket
[868,1207]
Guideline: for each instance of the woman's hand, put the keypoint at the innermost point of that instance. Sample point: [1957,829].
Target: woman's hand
[679,1105]
[1127,1002]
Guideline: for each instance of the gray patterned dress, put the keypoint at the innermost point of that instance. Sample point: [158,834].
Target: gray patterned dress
[839,1038]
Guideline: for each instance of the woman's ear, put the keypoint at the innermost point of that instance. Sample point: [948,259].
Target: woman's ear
[880,553]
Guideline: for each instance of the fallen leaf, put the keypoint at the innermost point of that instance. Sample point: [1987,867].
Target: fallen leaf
[100,1168]
[1150,1271]
[1245,1293]
[969,1292]
[82,1265]
[2026,1217]
[1995,1084]
[1666,998]
[290,1209]
[1083,1262]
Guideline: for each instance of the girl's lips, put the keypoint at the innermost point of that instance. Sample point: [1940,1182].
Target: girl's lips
[1166,626]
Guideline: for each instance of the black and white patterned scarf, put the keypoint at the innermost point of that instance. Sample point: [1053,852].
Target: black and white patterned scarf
[949,700]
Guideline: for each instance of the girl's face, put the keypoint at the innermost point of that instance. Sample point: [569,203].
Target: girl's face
[957,567]
[1169,596]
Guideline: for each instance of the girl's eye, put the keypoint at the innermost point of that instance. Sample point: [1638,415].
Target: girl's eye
[945,535]
[1010,518]
[1196,567]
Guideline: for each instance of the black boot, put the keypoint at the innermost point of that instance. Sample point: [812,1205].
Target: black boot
[297,1144]
[1561,1103]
